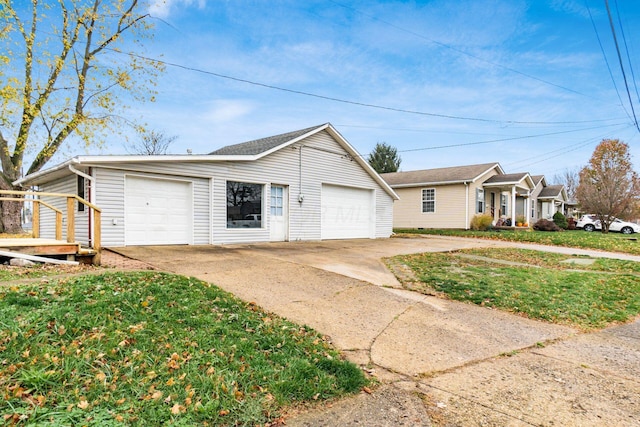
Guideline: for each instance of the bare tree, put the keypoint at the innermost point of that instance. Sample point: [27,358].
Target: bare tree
[569,178]
[65,75]
[152,143]
[609,187]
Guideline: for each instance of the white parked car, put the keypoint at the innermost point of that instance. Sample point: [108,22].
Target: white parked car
[592,223]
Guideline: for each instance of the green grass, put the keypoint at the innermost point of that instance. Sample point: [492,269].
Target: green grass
[9,273]
[613,242]
[154,349]
[547,289]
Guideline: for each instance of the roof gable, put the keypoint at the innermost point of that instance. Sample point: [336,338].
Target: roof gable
[552,191]
[450,175]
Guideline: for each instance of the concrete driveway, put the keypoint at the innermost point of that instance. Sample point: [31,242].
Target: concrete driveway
[476,366]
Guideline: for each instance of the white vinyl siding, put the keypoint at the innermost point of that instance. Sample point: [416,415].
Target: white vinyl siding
[67,185]
[324,161]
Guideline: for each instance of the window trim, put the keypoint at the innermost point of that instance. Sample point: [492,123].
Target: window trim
[424,199]
[504,202]
[480,200]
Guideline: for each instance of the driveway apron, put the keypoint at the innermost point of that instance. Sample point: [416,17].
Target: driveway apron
[455,353]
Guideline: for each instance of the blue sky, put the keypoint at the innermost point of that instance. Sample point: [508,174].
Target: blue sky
[528,75]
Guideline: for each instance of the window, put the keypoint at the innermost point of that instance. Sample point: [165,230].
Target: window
[81,192]
[533,208]
[428,200]
[277,202]
[504,204]
[479,200]
[244,205]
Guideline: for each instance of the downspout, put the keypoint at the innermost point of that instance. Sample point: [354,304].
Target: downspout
[513,206]
[528,207]
[91,198]
[466,210]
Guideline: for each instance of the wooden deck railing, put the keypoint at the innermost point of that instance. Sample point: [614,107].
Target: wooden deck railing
[95,243]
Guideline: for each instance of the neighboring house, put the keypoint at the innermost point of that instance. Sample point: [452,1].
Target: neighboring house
[309,184]
[513,192]
[539,182]
[552,199]
[443,197]
[451,197]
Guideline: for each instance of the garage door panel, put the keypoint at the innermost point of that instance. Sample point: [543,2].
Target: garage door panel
[158,211]
[347,212]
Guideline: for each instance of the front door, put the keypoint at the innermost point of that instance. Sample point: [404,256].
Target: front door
[278,222]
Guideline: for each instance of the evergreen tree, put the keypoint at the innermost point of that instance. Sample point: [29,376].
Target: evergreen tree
[384,158]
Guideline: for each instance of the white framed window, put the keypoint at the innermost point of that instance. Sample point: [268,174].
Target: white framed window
[428,200]
[277,200]
[533,208]
[504,204]
[479,200]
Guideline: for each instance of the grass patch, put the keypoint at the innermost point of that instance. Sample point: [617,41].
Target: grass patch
[9,273]
[612,242]
[547,289]
[152,348]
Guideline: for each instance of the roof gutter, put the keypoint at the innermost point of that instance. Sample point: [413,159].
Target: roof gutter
[38,174]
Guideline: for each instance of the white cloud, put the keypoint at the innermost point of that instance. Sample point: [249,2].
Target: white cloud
[163,8]
[227,110]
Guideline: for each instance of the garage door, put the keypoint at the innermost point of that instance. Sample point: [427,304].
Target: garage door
[347,212]
[158,211]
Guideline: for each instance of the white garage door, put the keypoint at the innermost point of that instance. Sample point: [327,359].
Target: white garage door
[158,211]
[347,213]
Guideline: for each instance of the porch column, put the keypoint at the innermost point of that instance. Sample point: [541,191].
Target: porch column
[513,206]
[527,208]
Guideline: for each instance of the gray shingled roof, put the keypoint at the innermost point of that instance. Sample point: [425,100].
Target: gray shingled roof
[258,146]
[551,191]
[508,177]
[439,175]
[537,178]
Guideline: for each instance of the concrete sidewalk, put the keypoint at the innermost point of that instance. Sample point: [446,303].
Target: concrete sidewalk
[453,353]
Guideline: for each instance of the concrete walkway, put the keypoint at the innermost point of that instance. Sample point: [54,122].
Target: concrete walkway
[473,365]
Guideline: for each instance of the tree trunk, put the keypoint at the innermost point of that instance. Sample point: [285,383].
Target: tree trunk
[11,216]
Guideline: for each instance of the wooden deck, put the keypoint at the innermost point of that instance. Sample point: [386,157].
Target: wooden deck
[57,247]
[46,247]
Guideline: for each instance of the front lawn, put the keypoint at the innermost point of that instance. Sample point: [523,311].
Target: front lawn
[612,242]
[588,296]
[154,349]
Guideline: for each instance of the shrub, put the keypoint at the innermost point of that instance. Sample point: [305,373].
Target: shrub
[546,225]
[481,222]
[560,220]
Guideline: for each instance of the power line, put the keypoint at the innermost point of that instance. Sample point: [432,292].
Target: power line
[624,75]
[502,139]
[626,48]
[344,101]
[604,56]
[460,51]
[560,151]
